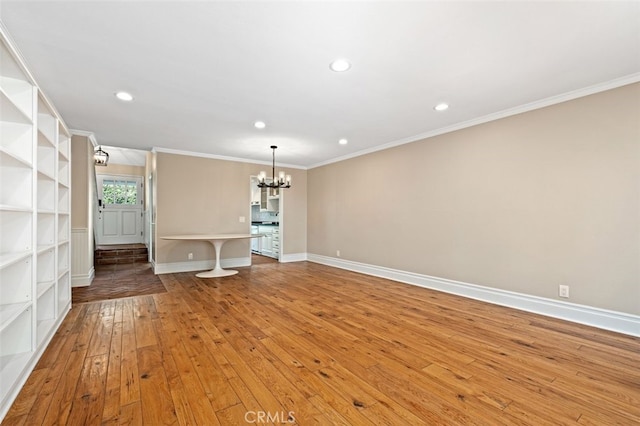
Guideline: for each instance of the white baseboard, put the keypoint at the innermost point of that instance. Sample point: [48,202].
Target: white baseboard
[202,265]
[82,269]
[608,320]
[199,265]
[83,280]
[293,257]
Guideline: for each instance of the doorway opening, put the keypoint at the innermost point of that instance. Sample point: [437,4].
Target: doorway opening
[266,219]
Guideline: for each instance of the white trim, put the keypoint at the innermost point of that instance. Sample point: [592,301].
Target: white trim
[222,157]
[17,56]
[542,103]
[608,320]
[199,265]
[89,135]
[293,257]
[22,63]
[119,209]
[82,269]
[83,280]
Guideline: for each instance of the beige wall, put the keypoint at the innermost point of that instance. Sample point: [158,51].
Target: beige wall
[83,188]
[294,213]
[149,203]
[524,203]
[154,206]
[197,195]
[81,177]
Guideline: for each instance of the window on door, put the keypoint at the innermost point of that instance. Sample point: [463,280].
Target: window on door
[119,192]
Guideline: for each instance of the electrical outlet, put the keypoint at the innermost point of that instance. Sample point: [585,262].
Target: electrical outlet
[563,291]
[190,256]
[338,253]
[241,219]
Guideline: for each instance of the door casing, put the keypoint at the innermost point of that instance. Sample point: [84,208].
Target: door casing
[120,223]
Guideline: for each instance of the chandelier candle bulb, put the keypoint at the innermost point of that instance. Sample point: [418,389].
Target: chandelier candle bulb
[283,181]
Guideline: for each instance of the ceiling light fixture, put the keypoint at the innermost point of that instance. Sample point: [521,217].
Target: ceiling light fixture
[100,157]
[283,181]
[259,125]
[340,65]
[441,107]
[343,141]
[124,96]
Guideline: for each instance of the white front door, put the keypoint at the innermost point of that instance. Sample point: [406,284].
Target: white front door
[120,208]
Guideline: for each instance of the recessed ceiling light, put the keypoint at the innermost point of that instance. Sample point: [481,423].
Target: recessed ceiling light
[343,141]
[259,124]
[340,65]
[441,107]
[124,96]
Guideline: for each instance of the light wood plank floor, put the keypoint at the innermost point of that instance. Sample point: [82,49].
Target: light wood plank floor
[307,344]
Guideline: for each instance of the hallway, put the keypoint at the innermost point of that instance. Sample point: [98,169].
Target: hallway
[119,280]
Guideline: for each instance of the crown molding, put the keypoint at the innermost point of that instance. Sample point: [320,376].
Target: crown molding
[531,106]
[89,135]
[17,55]
[222,157]
[542,103]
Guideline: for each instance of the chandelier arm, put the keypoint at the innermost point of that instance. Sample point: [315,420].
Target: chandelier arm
[284,183]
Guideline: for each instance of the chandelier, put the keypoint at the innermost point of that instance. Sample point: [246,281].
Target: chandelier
[283,181]
[100,157]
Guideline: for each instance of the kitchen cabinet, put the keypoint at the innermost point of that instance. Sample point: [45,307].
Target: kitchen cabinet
[263,200]
[267,198]
[256,193]
[273,199]
[255,242]
[275,242]
[267,245]
[266,240]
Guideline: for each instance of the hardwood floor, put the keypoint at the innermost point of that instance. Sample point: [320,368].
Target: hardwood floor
[307,344]
[258,259]
[119,280]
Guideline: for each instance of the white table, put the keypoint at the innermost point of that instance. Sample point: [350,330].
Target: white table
[217,240]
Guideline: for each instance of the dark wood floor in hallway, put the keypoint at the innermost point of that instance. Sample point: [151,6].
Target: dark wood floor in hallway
[119,280]
[302,343]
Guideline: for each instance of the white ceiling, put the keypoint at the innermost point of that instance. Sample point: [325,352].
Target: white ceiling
[125,156]
[203,72]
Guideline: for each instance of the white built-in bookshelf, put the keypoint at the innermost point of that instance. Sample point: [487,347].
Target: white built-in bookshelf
[35,223]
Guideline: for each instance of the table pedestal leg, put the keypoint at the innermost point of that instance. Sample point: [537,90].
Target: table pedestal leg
[217,271]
